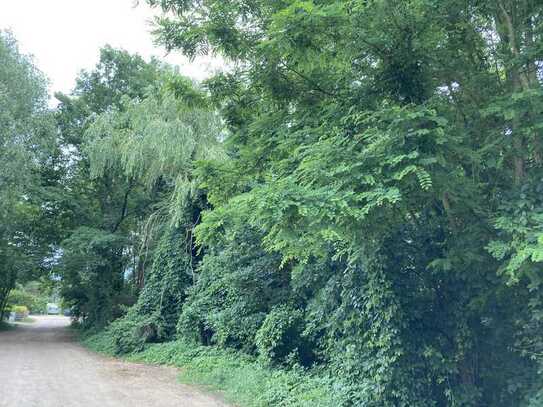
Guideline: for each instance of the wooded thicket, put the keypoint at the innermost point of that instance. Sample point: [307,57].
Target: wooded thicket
[358,194]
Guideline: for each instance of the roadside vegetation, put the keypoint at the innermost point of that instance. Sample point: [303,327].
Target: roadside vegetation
[350,214]
[34,296]
[240,378]
[4,326]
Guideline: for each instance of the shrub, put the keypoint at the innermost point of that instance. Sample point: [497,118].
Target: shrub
[34,303]
[154,316]
[19,309]
[21,312]
[234,290]
[279,337]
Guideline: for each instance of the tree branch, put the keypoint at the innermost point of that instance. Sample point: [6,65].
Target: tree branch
[124,207]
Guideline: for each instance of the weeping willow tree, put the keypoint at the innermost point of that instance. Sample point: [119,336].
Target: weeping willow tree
[155,142]
[158,140]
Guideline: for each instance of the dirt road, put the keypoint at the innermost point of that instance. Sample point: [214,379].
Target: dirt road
[41,366]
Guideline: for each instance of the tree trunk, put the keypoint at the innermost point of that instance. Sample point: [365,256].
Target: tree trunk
[4,295]
[510,28]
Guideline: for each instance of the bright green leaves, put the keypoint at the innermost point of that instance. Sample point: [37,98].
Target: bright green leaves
[157,140]
[230,27]
[520,243]
[159,136]
[342,181]
[24,132]
[296,36]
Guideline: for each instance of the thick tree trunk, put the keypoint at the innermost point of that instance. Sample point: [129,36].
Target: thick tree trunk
[510,28]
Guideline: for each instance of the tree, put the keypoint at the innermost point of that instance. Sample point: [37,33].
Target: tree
[379,140]
[25,140]
[137,128]
[156,142]
[95,215]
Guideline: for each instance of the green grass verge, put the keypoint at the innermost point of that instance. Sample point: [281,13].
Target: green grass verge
[241,379]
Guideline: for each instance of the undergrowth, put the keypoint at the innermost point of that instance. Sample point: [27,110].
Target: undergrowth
[242,380]
[4,326]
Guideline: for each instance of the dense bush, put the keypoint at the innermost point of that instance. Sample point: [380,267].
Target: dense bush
[35,302]
[236,286]
[20,311]
[279,336]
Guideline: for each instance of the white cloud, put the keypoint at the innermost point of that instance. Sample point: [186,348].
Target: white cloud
[65,35]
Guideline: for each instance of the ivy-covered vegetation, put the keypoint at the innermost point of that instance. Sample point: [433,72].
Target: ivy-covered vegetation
[350,214]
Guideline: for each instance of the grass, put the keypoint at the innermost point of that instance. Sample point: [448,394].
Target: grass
[28,320]
[242,380]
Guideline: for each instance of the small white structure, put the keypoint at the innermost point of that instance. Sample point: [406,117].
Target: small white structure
[53,309]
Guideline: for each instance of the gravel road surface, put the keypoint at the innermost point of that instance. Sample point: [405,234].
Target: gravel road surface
[42,366]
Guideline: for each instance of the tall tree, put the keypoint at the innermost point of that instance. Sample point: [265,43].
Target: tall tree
[378,144]
[134,130]
[98,212]
[25,140]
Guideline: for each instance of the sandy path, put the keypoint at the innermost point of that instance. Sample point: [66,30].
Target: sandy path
[41,366]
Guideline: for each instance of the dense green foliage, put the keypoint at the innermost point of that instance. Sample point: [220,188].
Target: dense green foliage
[387,155]
[96,233]
[34,295]
[25,147]
[136,128]
[350,213]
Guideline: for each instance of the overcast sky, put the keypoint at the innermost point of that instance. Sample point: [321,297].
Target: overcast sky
[65,35]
